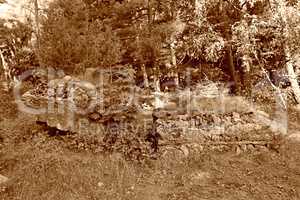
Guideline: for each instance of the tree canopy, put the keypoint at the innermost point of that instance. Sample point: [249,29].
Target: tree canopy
[238,37]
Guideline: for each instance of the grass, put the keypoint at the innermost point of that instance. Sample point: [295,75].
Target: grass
[40,167]
[46,171]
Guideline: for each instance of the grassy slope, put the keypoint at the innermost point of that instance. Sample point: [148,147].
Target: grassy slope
[41,167]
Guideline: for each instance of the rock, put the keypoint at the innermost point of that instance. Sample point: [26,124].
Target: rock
[199,177]
[294,137]
[196,148]
[86,85]
[67,78]
[236,117]
[100,184]
[244,147]
[215,138]
[184,150]
[250,147]
[170,106]
[90,72]
[216,120]
[3,179]
[262,148]
[95,116]
[238,150]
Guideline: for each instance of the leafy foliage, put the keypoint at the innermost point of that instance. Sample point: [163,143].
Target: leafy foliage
[15,37]
[86,33]
[70,40]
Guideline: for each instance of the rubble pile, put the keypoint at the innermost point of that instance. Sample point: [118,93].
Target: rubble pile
[114,112]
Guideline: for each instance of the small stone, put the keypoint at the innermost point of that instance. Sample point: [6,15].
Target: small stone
[244,147]
[199,176]
[95,116]
[294,137]
[250,147]
[263,148]
[236,117]
[3,179]
[100,184]
[215,138]
[238,150]
[67,78]
[216,120]
[184,150]
[87,85]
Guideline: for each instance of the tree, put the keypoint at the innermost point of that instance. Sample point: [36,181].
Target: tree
[15,48]
[72,39]
[268,41]
[289,16]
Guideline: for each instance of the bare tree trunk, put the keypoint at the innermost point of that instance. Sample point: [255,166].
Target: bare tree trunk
[292,76]
[145,76]
[158,103]
[149,13]
[246,81]
[174,63]
[5,66]
[6,71]
[232,70]
[37,22]
[37,31]
[156,80]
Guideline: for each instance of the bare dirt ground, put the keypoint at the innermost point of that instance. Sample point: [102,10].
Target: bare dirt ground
[42,167]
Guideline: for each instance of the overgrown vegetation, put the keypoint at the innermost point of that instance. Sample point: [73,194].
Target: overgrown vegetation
[41,167]
[164,39]
[169,48]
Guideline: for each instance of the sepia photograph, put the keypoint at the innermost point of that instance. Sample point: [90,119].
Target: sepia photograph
[149,100]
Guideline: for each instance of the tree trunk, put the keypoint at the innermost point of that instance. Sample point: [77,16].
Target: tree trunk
[149,13]
[5,66]
[111,74]
[156,80]
[174,63]
[292,76]
[158,103]
[234,78]
[145,76]
[37,31]
[245,78]
[6,70]
[37,22]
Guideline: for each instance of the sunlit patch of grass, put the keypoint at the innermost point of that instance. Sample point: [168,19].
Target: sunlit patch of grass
[60,174]
[53,172]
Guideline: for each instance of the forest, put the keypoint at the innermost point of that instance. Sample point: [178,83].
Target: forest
[229,41]
[150,99]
